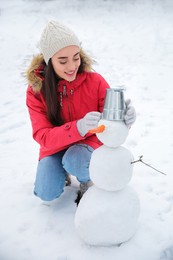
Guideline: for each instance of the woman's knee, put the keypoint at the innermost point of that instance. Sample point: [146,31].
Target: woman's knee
[76,161]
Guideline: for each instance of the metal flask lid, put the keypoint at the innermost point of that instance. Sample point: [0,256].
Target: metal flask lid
[114,105]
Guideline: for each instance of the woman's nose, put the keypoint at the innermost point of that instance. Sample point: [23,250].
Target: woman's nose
[71,66]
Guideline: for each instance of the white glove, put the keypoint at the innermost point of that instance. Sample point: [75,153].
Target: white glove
[89,121]
[130,115]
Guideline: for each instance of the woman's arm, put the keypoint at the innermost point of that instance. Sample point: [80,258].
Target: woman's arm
[47,135]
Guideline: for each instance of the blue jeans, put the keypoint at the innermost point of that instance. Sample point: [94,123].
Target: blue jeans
[52,170]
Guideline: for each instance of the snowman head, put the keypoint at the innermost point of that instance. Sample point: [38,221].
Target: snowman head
[111,133]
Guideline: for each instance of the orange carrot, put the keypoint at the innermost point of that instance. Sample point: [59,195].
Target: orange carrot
[98,129]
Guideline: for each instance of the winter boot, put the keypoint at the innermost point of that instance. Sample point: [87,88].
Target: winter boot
[83,188]
[68,180]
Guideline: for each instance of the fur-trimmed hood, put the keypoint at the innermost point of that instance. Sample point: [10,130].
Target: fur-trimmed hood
[36,68]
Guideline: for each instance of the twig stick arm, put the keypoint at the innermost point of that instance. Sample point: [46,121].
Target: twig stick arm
[140,160]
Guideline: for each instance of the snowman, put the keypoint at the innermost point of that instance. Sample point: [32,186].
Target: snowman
[108,212]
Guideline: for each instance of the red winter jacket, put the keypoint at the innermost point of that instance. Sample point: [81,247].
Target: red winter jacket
[85,94]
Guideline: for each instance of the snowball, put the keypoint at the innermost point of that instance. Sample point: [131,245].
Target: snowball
[105,218]
[111,168]
[114,134]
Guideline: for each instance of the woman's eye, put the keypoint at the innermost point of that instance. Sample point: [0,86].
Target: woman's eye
[63,62]
[76,59]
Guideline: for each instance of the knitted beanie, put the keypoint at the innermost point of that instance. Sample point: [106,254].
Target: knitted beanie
[54,37]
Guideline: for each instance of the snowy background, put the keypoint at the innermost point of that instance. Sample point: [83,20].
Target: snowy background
[132,42]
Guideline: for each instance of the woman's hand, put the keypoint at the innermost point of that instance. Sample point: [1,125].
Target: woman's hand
[130,115]
[89,121]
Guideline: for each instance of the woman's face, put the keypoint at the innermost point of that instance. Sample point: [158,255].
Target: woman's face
[66,62]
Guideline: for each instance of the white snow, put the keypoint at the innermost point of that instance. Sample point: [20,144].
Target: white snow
[132,42]
[105,218]
[111,168]
[115,133]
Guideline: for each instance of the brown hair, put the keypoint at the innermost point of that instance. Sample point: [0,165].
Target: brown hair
[49,90]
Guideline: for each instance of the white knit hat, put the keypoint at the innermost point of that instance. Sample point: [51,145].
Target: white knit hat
[54,37]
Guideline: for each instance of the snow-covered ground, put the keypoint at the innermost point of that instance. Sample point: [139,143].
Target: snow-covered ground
[132,42]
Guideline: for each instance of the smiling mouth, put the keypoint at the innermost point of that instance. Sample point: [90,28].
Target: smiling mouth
[70,74]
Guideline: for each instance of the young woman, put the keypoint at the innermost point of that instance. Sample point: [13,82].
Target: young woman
[65,100]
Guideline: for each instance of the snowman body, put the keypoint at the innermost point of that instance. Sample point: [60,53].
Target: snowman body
[108,212]
[111,168]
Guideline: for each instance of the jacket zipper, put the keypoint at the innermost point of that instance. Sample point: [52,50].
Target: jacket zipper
[67,98]
[64,90]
